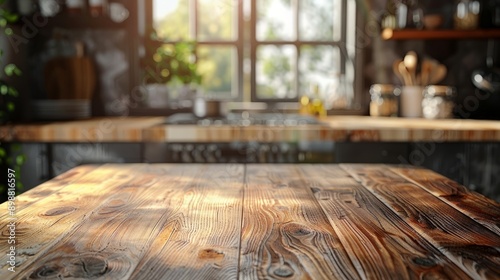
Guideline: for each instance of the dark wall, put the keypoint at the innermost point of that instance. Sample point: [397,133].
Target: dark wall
[112,46]
[475,165]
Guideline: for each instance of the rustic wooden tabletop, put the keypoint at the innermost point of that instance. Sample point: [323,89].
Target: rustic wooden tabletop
[168,221]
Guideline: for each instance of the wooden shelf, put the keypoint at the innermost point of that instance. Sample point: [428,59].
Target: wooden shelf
[417,34]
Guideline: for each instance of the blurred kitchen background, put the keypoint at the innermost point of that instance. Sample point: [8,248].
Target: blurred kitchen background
[160,57]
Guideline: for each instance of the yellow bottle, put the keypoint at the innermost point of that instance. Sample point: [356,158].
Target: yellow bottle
[317,106]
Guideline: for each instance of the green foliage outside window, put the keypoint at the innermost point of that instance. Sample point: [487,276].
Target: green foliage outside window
[171,63]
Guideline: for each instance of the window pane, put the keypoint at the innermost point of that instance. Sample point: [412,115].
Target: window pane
[276,71]
[320,65]
[217,65]
[217,19]
[316,19]
[171,19]
[275,20]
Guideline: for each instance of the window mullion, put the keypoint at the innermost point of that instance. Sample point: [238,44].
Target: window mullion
[239,51]
[343,37]
[253,50]
[193,10]
[296,5]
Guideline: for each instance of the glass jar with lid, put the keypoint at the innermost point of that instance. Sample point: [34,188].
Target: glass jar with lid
[384,100]
[438,102]
[408,14]
[467,14]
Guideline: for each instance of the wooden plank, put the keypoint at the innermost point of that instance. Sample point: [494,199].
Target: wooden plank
[480,208]
[43,224]
[135,222]
[100,245]
[472,247]
[285,232]
[377,240]
[46,189]
[127,224]
[200,237]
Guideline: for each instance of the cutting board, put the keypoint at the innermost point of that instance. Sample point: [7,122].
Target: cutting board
[70,78]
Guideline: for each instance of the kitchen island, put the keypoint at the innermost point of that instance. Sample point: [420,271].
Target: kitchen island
[224,221]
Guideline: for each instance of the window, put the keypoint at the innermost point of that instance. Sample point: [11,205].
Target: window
[266,50]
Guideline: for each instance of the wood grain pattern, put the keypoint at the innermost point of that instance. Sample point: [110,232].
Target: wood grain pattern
[167,221]
[481,209]
[200,236]
[378,241]
[472,247]
[50,187]
[48,220]
[118,233]
[129,222]
[285,233]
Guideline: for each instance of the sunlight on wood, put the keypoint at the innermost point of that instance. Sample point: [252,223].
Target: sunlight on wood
[167,221]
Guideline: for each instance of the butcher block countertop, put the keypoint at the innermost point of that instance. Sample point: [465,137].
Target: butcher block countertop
[333,128]
[360,128]
[109,129]
[141,221]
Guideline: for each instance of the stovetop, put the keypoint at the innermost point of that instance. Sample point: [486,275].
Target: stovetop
[243,119]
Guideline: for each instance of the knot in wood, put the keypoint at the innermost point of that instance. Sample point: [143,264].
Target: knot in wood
[78,267]
[210,254]
[283,271]
[88,267]
[424,262]
[46,271]
[454,196]
[296,229]
[59,211]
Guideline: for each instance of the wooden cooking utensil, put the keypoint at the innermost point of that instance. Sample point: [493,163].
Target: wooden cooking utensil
[405,74]
[437,74]
[410,62]
[426,71]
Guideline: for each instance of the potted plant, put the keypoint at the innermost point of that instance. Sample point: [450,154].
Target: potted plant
[170,71]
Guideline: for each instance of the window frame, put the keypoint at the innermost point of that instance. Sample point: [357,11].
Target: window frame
[297,43]
[250,45]
[237,42]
